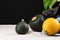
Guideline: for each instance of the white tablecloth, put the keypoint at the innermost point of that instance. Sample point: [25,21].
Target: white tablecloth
[7,32]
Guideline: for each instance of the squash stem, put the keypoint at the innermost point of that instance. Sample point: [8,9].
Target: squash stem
[22,20]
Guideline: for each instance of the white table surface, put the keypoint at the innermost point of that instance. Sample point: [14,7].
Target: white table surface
[7,32]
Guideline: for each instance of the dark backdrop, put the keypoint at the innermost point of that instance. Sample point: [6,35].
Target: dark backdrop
[12,11]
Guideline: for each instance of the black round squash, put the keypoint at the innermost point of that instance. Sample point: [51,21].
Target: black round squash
[36,23]
[22,27]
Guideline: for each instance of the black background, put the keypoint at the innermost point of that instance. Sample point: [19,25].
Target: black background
[12,11]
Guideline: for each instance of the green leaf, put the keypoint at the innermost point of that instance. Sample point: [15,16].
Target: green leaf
[52,3]
[58,0]
[46,3]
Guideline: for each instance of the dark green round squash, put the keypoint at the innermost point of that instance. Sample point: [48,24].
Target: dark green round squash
[36,23]
[22,27]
